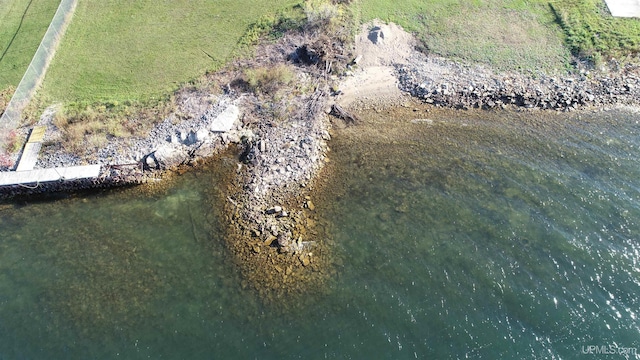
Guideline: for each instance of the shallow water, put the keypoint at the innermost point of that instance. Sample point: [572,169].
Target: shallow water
[464,235]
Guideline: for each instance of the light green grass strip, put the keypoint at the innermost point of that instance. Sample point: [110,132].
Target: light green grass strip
[118,50]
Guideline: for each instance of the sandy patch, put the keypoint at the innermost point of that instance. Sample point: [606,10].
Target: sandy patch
[371,84]
[379,47]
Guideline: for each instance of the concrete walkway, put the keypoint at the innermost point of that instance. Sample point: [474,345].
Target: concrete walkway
[25,174]
[47,175]
[624,8]
[29,155]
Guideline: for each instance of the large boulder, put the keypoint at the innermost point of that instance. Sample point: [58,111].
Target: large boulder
[307,55]
[169,155]
[226,119]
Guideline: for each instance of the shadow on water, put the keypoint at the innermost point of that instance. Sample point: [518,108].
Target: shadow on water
[456,234]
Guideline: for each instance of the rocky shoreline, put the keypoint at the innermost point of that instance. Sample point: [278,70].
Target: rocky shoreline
[280,143]
[281,140]
[174,144]
[445,83]
[185,136]
[272,225]
[269,212]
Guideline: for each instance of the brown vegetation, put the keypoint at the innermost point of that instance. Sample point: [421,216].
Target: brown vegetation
[268,80]
[5,97]
[86,127]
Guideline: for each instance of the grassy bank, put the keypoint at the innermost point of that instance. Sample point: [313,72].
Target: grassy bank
[512,34]
[22,26]
[121,50]
[120,61]
[593,34]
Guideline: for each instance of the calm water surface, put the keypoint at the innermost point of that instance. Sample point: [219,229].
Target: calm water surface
[464,235]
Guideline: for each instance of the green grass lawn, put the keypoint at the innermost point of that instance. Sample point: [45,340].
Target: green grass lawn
[507,34]
[22,26]
[512,34]
[119,50]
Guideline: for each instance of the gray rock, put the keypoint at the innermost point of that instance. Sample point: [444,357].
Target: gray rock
[168,155]
[377,36]
[189,138]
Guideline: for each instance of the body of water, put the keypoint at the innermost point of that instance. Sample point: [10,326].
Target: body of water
[455,235]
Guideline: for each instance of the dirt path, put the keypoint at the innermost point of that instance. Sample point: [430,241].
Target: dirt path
[378,48]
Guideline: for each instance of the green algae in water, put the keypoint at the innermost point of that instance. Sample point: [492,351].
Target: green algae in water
[482,235]
[115,269]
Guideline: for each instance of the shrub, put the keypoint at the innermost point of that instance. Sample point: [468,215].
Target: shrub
[268,80]
[86,126]
[321,13]
[272,25]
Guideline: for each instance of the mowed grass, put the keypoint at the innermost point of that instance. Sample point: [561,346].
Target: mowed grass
[22,26]
[506,34]
[525,35]
[122,50]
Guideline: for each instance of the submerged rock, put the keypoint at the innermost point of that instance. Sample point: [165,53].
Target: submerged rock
[284,241]
[304,260]
[310,205]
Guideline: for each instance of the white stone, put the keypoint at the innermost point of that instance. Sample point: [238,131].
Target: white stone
[202,135]
[275,210]
[225,121]
[151,162]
